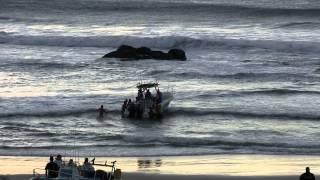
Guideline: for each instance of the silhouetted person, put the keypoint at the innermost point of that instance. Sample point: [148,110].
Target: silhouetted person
[70,163]
[132,109]
[88,169]
[148,94]
[124,107]
[140,95]
[101,111]
[159,96]
[52,169]
[58,160]
[307,175]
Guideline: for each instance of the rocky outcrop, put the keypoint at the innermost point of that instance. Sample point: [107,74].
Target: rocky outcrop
[131,53]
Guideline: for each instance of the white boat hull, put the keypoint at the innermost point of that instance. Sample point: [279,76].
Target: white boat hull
[147,106]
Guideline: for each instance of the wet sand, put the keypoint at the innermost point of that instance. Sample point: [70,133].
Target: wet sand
[224,167]
[148,176]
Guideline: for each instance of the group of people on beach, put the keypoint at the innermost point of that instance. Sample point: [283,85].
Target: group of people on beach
[53,166]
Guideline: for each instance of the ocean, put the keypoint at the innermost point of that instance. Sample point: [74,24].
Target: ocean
[250,84]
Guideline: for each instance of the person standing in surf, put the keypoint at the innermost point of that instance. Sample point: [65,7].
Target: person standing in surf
[101,111]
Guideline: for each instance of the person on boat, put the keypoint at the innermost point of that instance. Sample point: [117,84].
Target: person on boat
[101,111]
[140,95]
[307,175]
[58,160]
[148,94]
[88,169]
[70,163]
[159,96]
[124,107]
[131,109]
[52,169]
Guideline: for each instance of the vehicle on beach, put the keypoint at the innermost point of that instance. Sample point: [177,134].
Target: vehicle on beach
[75,171]
[148,103]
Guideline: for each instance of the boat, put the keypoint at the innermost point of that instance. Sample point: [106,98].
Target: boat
[147,104]
[74,171]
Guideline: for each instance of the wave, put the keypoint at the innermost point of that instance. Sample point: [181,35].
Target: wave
[176,112]
[45,65]
[157,72]
[268,92]
[162,42]
[248,76]
[317,71]
[299,25]
[281,92]
[159,5]
[176,142]
[168,141]
[46,114]
[238,114]
[26,19]
[61,113]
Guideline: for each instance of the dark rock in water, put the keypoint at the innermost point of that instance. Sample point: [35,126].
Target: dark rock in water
[123,51]
[159,55]
[131,53]
[143,50]
[177,54]
[143,53]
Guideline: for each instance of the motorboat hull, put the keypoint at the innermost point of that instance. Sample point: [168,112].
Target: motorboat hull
[148,108]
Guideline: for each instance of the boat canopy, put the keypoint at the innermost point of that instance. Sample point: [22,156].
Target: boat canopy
[147,85]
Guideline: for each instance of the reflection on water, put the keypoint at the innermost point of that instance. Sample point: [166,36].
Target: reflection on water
[147,163]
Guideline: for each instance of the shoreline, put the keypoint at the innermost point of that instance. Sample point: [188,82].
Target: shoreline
[213,165]
[148,176]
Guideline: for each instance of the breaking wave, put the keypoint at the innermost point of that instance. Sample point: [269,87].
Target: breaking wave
[175,112]
[269,92]
[163,42]
[205,112]
[176,5]
[168,142]
[248,76]
[299,25]
[62,113]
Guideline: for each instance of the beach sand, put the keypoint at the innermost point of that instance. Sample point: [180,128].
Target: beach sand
[219,167]
[150,176]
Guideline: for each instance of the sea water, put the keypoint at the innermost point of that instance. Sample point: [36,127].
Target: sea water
[250,84]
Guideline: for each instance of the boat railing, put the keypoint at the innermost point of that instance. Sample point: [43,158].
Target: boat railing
[37,174]
[112,165]
[62,173]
